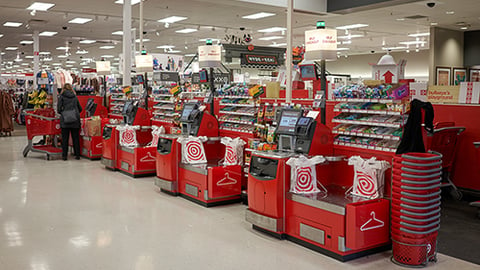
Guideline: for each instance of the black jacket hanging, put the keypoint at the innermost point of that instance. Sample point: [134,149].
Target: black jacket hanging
[412,139]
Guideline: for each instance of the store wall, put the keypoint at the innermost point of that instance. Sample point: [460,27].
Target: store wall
[446,49]
[472,48]
[358,65]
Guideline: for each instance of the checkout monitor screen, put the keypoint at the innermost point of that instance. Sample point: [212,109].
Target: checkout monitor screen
[308,72]
[187,110]
[288,121]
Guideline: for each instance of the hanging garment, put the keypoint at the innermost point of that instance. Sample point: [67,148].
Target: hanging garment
[303,179]
[7,110]
[156,131]
[193,151]
[128,135]
[233,151]
[369,176]
[412,139]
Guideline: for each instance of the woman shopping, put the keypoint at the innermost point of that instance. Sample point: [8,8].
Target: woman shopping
[69,109]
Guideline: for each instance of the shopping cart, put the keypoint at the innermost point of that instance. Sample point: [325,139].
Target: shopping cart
[477,203]
[444,140]
[42,122]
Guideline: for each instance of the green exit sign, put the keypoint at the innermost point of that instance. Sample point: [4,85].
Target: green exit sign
[209,42]
[320,24]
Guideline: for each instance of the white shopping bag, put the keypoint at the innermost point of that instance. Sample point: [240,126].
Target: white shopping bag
[193,151]
[233,151]
[303,174]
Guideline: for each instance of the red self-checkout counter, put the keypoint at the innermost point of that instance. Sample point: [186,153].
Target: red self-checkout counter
[91,146]
[133,161]
[332,223]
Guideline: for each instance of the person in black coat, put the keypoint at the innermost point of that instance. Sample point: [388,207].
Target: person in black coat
[68,102]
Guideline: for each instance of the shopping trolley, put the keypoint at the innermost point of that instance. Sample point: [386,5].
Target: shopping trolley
[477,203]
[42,122]
[444,140]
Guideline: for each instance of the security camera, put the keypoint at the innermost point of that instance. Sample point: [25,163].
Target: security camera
[144,32]
[430,4]
[372,51]
[242,28]
[64,27]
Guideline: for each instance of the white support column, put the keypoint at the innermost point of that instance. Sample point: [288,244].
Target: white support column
[36,56]
[288,63]
[127,42]
[140,23]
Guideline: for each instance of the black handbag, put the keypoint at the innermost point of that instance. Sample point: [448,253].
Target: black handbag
[70,116]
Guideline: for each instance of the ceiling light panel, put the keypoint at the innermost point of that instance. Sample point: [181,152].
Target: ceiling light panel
[278,45]
[118,33]
[270,38]
[144,40]
[412,42]
[62,56]
[87,41]
[107,56]
[165,47]
[107,47]
[133,2]
[186,31]
[272,29]
[419,35]
[349,36]
[80,20]
[40,6]
[259,15]
[12,24]
[172,19]
[352,26]
[26,42]
[47,34]
[11,48]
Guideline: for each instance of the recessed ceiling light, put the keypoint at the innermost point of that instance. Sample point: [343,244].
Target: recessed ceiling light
[29,57]
[80,20]
[272,29]
[68,65]
[1,35]
[174,51]
[270,38]
[47,34]
[343,49]
[26,42]
[278,44]
[40,6]
[165,47]
[11,48]
[144,40]
[44,53]
[172,19]
[400,19]
[395,48]
[412,42]
[347,42]
[258,15]
[450,12]
[107,47]
[62,56]
[419,34]
[433,23]
[118,33]
[349,36]
[190,55]
[107,56]
[352,26]
[12,24]
[70,62]
[81,52]
[87,41]
[56,64]
[464,28]
[62,48]
[186,31]
[133,2]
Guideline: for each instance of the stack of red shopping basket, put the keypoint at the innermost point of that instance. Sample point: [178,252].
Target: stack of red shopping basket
[416,207]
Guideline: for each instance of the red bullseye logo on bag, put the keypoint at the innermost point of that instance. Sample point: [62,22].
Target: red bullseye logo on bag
[304,183]
[366,185]
[195,151]
[231,156]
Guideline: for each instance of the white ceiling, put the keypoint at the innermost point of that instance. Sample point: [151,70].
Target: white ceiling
[215,19]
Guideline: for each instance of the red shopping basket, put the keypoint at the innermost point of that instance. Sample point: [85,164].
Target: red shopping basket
[414,252]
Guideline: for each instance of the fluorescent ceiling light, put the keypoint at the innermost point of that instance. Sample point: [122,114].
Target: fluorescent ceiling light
[44,53]
[349,36]
[343,49]
[174,51]
[270,38]
[133,2]
[278,45]
[56,64]
[258,15]
[272,29]
[186,31]
[172,19]
[29,57]
[107,56]
[40,6]
[144,40]
[1,35]
[190,55]
[419,35]
[62,48]
[11,48]
[80,20]
[450,12]
[165,47]
[83,64]
[12,24]
[47,59]
[464,28]
[70,62]
[352,26]
[62,56]
[347,42]
[81,52]
[107,47]
[400,19]
[87,41]
[118,33]
[412,42]
[68,65]
[26,42]
[47,34]
[395,48]
[116,58]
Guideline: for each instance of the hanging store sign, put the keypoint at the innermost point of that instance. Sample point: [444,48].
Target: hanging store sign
[218,78]
[321,44]
[166,76]
[443,93]
[103,67]
[144,63]
[210,56]
[88,70]
[255,59]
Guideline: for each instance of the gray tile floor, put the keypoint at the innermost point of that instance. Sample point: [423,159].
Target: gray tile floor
[77,215]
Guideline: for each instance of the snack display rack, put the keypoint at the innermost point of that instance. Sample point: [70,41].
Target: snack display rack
[237,116]
[375,124]
[116,102]
[165,110]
